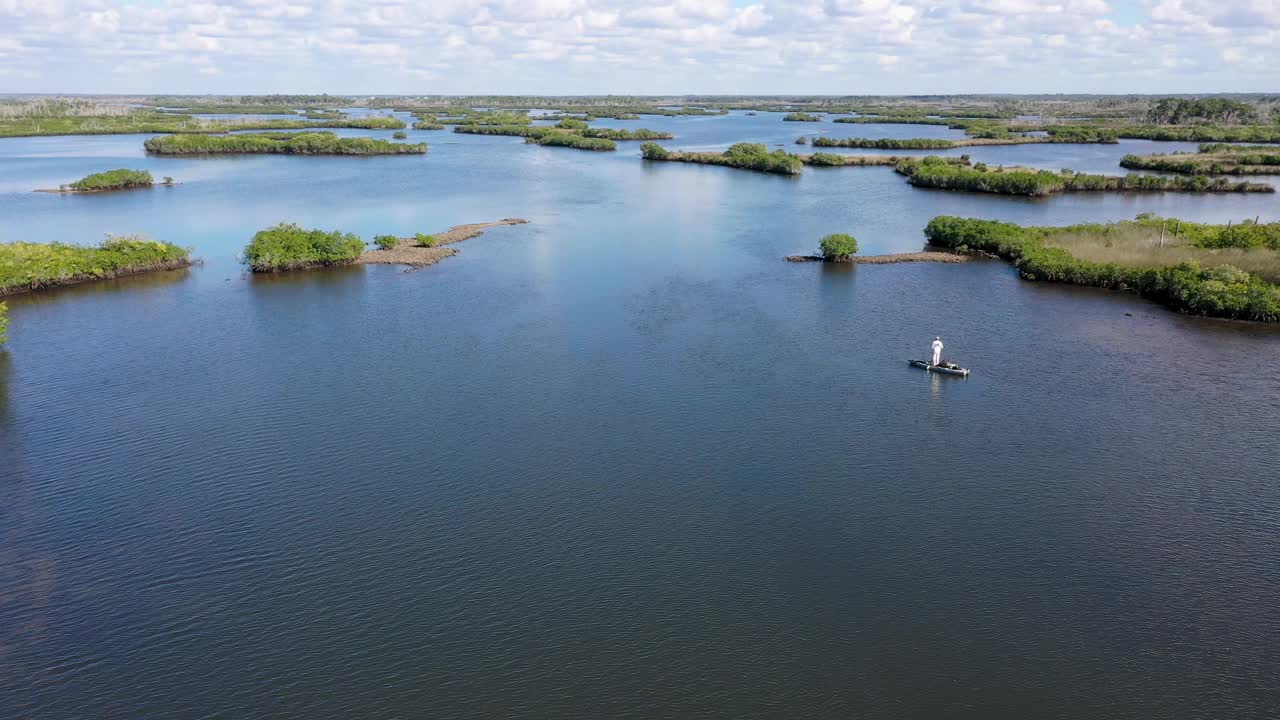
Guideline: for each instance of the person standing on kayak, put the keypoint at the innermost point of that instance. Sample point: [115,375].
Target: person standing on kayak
[937,350]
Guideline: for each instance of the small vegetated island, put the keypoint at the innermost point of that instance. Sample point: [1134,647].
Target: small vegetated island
[66,118]
[122,179]
[25,267]
[569,132]
[1212,159]
[843,248]
[302,143]
[942,175]
[801,117]
[421,250]
[744,156]
[1222,271]
[288,246]
[952,173]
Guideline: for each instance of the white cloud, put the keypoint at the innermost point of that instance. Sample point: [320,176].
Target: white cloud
[601,46]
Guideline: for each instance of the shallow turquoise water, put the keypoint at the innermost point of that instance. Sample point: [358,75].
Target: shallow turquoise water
[622,461]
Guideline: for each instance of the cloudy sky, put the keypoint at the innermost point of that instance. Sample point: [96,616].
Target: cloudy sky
[657,47]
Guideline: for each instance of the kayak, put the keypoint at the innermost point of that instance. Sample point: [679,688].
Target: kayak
[945,368]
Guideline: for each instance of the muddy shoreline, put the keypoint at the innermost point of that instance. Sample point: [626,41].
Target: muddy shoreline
[408,253]
[933,256]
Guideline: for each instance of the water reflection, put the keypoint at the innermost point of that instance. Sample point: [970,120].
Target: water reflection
[88,290]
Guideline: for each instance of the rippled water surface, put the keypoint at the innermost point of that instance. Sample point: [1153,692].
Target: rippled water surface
[622,461]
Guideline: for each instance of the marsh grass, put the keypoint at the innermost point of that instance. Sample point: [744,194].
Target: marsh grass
[1139,246]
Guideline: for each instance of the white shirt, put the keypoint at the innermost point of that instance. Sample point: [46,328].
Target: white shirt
[937,346]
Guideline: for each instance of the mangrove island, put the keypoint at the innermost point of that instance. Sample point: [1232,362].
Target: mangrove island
[303,143]
[1226,271]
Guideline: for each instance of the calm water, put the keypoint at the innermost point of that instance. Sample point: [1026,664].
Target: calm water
[623,461]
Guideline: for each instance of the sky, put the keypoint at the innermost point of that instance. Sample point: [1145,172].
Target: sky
[661,47]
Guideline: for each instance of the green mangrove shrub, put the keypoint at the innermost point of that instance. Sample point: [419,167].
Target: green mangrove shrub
[653,151]
[886,143]
[513,130]
[304,143]
[746,156]
[399,135]
[386,242]
[801,117]
[290,247]
[564,139]
[1211,162]
[114,180]
[638,134]
[1202,133]
[572,124]
[1219,291]
[837,246]
[755,156]
[425,240]
[936,173]
[826,159]
[31,266]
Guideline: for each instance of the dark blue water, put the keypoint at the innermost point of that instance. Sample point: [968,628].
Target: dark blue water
[623,461]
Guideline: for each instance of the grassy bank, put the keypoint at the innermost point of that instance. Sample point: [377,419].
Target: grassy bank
[31,266]
[932,173]
[1212,159]
[305,143]
[121,179]
[1126,256]
[289,247]
[745,156]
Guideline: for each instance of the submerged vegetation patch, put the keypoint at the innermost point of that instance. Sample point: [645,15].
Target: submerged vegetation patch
[1136,256]
[32,266]
[305,143]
